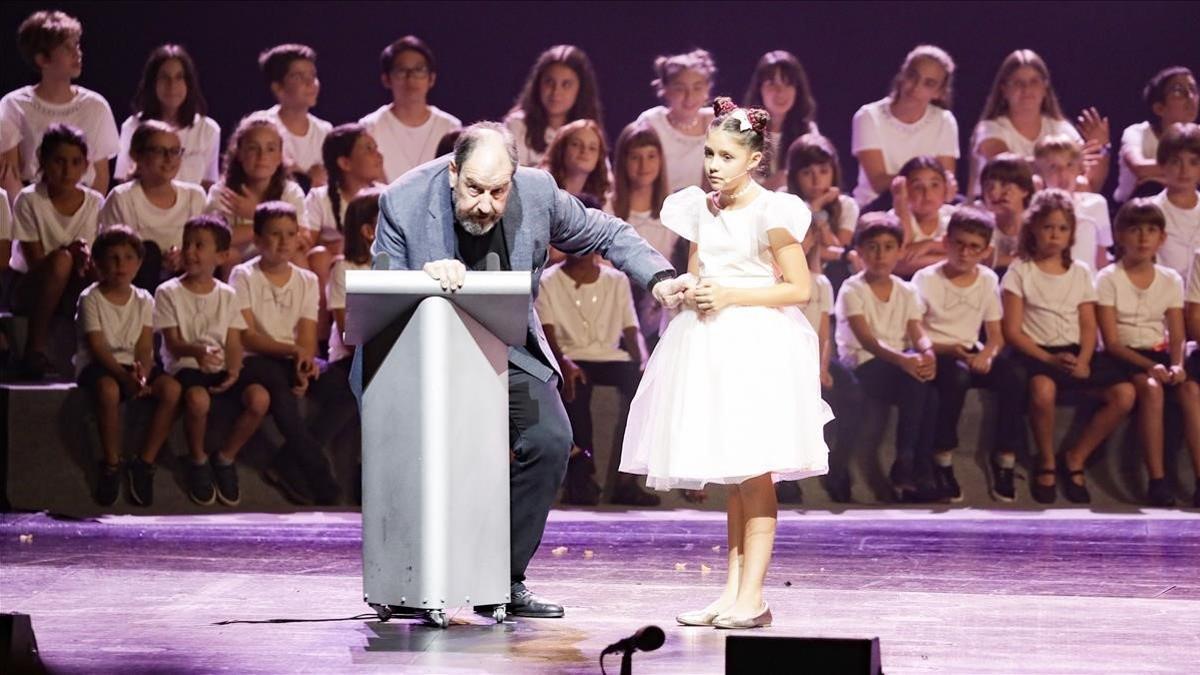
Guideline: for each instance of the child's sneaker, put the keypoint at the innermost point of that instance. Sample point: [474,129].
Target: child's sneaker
[108,486]
[946,483]
[141,482]
[226,478]
[200,483]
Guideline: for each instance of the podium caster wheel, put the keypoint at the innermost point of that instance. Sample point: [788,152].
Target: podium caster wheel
[384,612]
[437,618]
[499,614]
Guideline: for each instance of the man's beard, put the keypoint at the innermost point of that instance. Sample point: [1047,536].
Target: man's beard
[474,228]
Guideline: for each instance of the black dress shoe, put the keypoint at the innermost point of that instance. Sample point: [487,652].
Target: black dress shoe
[525,603]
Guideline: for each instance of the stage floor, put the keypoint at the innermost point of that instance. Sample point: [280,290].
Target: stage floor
[964,591]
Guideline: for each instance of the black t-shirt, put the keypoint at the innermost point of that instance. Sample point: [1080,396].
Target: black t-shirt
[473,249]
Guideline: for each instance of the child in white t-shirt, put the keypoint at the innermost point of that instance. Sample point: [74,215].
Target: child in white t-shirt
[919,200]
[255,173]
[1141,319]
[586,310]
[960,298]
[353,163]
[54,224]
[154,204]
[49,41]
[169,91]
[291,72]
[639,188]
[201,324]
[1050,320]
[408,129]
[1022,109]
[1006,188]
[1059,163]
[1179,157]
[279,304]
[880,338]
[683,84]
[914,119]
[838,386]
[362,213]
[1171,97]
[115,363]
[815,175]
[561,88]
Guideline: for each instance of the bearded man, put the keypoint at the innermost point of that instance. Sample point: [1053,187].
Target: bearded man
[449,215]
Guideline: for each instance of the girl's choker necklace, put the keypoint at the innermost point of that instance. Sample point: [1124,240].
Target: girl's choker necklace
[716,196]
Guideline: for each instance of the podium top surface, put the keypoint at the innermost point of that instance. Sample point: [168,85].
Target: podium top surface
[498,300]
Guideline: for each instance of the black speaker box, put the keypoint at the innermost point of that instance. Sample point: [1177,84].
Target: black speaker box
[18,646]
[818,656]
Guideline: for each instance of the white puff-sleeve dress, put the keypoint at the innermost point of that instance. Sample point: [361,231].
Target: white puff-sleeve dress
[737,394]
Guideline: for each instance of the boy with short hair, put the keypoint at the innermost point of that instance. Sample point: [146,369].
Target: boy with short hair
[201,323]
[49,43]
[279,303]
[1059,163]
[408,129]
[291,73]
[115,361]
[1179,157]
[880,338]
[960,297]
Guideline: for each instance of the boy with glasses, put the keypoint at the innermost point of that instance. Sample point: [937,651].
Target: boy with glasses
[408,129]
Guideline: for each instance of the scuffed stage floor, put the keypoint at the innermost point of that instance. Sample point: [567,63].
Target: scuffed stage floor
[965,591]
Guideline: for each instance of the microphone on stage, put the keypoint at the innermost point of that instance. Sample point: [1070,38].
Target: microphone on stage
[381,262]
[646,639]
[491,262]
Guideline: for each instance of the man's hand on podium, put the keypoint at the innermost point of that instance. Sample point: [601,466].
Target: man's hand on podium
[669,292]
[450,273]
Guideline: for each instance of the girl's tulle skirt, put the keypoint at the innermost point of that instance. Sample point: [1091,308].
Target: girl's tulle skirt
[728,397]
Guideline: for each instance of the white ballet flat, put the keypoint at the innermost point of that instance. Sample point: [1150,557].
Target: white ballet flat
[728,622]
[699,617]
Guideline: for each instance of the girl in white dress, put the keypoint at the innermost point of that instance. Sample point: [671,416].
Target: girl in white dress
[732,395]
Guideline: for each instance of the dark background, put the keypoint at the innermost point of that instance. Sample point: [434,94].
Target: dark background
[1100,53]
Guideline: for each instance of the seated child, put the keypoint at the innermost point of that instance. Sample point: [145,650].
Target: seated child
[279,304]
[1059,163]
[1171,98]
[1006,186]
[919,194]
[1179,157]
[154,204]
[838,386]
[201,325]
[1050,320]
[115,363]
[1141,320]
[291,73]
[880,338]
[587,313]
[960,298]
[54,225]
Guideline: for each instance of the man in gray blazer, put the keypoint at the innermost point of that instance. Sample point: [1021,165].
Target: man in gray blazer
[477,210]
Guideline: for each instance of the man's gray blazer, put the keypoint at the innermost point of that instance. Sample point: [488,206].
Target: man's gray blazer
[416,226]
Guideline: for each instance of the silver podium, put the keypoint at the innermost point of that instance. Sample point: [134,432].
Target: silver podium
[435,426]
